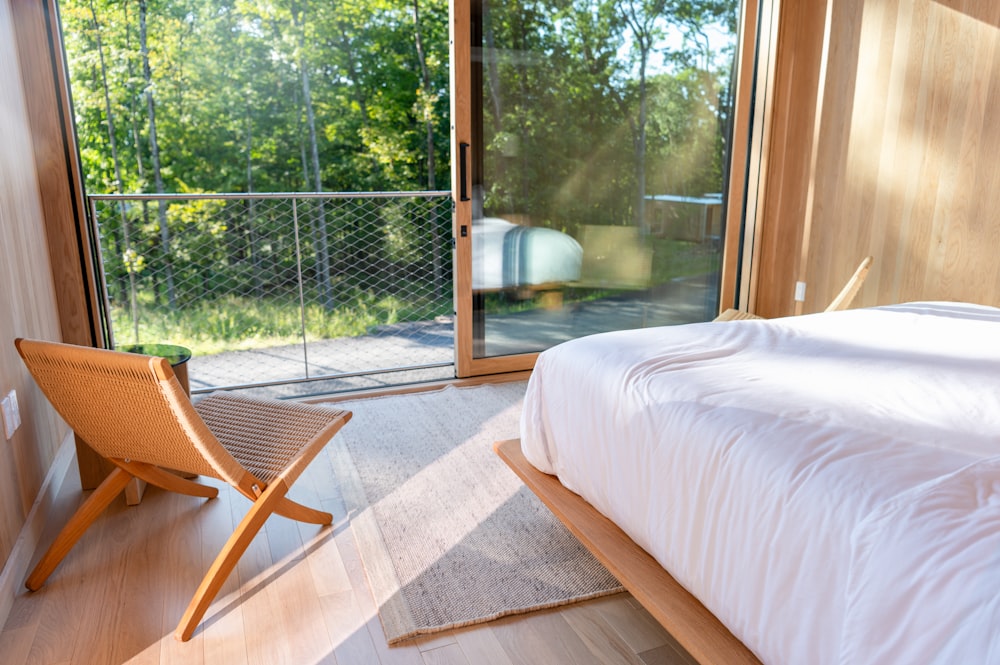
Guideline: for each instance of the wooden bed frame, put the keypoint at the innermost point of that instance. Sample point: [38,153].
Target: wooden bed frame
[692,625]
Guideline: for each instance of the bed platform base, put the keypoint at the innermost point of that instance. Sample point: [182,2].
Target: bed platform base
[681,614]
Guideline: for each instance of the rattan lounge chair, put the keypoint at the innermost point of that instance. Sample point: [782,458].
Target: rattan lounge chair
[131,409]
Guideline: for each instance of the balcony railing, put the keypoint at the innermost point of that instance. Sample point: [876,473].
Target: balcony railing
[293,293]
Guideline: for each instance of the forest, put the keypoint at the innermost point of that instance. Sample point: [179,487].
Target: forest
[264,96]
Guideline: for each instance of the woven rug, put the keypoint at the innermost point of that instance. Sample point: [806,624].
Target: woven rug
[449,536]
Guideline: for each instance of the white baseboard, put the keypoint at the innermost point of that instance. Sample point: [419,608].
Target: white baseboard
[16,567]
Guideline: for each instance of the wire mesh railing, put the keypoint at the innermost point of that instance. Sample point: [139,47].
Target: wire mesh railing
[278,290]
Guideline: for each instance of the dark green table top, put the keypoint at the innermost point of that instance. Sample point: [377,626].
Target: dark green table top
[174,354]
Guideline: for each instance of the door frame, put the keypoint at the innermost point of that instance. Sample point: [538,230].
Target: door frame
[462,161]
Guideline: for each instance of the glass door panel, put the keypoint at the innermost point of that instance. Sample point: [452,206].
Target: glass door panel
[599,139]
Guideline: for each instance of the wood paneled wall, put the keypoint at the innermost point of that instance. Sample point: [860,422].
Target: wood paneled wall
[27,298]
[884,141]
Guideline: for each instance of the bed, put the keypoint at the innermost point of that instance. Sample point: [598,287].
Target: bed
[825,488]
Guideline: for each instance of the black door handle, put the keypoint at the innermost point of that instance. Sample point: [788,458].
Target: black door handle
[463,172]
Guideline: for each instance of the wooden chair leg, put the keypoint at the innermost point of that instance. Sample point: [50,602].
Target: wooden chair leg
[228,557]
[296,511]
[77,526]
[171,482]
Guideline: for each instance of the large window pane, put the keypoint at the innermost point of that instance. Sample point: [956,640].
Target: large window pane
[598,178]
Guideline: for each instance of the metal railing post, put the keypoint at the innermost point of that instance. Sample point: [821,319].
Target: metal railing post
[302,299]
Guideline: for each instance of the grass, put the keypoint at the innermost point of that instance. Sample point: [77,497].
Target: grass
[681,258]
[234,323]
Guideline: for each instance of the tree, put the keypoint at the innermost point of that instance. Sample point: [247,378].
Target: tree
[642,17]
[113,143]
[154,153]
[425,96]
[319,228]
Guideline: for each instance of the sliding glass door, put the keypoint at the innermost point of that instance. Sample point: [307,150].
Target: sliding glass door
[591,146]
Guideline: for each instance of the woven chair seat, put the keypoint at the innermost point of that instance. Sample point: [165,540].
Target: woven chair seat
[263,435]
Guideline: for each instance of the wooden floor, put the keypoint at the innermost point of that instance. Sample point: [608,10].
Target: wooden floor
[298,596]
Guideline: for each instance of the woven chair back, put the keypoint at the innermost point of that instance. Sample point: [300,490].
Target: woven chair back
[127,406]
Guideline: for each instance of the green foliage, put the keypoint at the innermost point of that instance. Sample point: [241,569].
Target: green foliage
[228,88]
[561,118]
[234,323]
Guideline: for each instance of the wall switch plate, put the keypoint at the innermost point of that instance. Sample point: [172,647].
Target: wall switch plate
[800,291]
[11,414]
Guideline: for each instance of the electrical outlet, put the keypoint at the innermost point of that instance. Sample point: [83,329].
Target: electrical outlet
[800,291]
[11,415]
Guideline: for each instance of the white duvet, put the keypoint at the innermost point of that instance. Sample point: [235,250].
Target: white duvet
[827,485]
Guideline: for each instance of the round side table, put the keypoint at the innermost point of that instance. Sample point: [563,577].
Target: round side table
[176,355]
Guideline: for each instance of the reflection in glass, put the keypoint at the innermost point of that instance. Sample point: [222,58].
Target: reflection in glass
[599,159]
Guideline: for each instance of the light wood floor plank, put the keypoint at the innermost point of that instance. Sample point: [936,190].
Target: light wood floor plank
[553,625]
[481,646]
[65,595]
[284,538]
[323,559]
[15,644]
[526,644]
[666,655]
[449,654]
[140,617]
[223,630]
[352,643]
[26,612]
[28,606]
[50,644]
[104,581]
[299,614]
[259,597]
[599,636]
[182,567]
[434,641]
[632,622]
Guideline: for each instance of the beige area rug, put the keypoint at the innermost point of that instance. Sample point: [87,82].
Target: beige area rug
[449,536]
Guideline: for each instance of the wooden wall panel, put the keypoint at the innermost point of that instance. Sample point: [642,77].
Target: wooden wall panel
[905,164]
[786,181]
[27,299]
[57,167]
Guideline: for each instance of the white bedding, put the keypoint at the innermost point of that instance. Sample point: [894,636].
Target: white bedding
[827,485]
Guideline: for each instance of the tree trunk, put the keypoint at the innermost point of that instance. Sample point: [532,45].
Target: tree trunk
[251,222]
[154,153]
[424,94]
[322,250]
[130,295]
[641,19]
[133,111]
[427,107]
